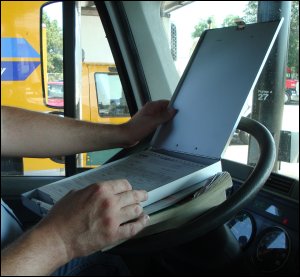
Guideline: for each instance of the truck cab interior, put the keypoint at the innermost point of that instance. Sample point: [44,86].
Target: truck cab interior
[148,44]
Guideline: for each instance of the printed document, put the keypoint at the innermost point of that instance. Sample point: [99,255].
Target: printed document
[146,170]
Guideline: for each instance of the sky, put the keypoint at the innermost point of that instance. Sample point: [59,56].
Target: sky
[192,12]
[187,17]
[54,11]
[204,9]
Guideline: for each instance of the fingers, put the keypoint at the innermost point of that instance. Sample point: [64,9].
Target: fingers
[131,212]
[129,230]
[163,104]
[118,194]
[121,203]
[152,108]
[160,110]
[118,186]
[129,204]
[123,190]
[132,197]
[108,187]
[126,200]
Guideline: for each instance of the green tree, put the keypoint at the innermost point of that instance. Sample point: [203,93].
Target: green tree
[54,45]
[203,25]
[230,20]
[251,12]
[293,51]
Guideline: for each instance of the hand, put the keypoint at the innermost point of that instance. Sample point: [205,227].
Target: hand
[93,218]
[145,121]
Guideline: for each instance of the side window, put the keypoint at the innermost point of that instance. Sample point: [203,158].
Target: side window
[31,50]
[52,55]
[32,77]
[55,91]
[102,98]
[110,96]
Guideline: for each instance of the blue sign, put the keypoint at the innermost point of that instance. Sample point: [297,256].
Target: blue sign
[17,71]
[17,48]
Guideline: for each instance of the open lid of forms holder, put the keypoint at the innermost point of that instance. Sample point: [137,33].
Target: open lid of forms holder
[210,96]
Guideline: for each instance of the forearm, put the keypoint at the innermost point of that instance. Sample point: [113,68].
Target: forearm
[33,134]
[37,253]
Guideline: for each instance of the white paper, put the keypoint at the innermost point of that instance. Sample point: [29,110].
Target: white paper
[174,198]
[147,170]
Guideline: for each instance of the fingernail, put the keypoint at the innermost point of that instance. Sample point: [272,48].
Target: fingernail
[146,218]
[172,110]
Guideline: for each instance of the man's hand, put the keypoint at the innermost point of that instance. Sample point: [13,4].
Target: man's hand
[145,121]
[81,223]
[93,218]
[62,136]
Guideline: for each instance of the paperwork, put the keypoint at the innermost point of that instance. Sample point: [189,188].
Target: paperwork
[211,194]
[161,175]
[186,205]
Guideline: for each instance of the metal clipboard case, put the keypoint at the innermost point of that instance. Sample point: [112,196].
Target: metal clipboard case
[212,92]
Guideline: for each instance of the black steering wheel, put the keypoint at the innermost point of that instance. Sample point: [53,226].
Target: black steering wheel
[217,216]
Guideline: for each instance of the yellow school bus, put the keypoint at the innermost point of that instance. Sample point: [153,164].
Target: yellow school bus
[27,83]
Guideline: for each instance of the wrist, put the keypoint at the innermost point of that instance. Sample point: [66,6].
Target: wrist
[53,243]
[127,135]
[36,253]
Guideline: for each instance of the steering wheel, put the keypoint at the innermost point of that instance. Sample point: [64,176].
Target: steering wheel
[217,216]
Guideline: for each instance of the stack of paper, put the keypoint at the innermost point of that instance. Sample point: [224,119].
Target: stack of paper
[185,205]
[160,175]
[198,201]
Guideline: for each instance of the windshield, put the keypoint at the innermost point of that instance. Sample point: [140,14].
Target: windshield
[184,25]
[111,98]
[55,90]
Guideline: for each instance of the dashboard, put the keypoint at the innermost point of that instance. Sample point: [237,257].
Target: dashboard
[267,231]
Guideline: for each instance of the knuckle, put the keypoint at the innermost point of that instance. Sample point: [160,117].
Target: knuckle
[98,188]
[110,229]
[139,196]
[138,209]
[126,184]
[132,230]
[108,203]
[135,196]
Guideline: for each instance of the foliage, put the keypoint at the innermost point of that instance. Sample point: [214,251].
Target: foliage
[230,20]
[250,16]
[250,13]
[293,51]
[54,45]
[203,25]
